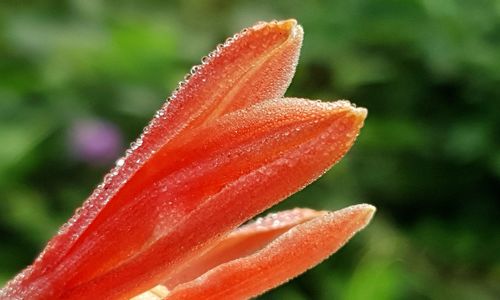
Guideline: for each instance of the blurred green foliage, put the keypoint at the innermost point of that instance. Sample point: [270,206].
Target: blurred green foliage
[428,157]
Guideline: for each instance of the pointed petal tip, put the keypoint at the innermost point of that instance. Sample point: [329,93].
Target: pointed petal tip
[355,113]
[290,26]
[363,214]
[288,23]
[360,112]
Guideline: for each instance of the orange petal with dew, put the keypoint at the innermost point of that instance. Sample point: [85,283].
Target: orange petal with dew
[290,254]
[243,241]
[226,172]
[255,65]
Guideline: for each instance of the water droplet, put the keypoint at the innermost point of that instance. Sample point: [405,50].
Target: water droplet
[195,69]
[136,144]
[159,113]
[120,162]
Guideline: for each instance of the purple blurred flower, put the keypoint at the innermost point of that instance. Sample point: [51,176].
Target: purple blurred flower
[95,141]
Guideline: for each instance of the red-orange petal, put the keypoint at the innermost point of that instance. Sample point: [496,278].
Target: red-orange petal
[243,241]
[289,255]
[253,66]
[227,171]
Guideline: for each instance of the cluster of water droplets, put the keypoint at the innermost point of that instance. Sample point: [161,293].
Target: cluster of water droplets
[272,219]
[281,219]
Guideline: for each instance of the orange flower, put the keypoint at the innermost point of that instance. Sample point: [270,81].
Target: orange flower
[225,147]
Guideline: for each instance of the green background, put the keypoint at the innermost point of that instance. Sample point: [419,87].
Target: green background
[428,157]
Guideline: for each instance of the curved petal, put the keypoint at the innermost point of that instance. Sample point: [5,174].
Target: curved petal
[224,173]
[255,65]
[243,241]
[292,253]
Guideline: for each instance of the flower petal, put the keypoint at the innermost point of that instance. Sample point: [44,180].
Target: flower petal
[255,65]
[244,241]
[217,177]
[292,253]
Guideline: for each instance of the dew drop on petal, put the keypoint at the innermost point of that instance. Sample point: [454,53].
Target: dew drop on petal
[120,162]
